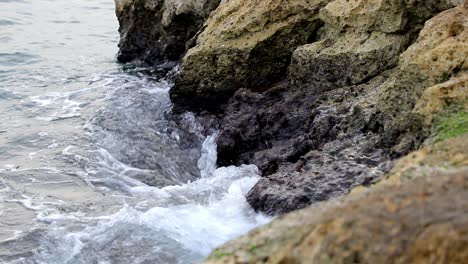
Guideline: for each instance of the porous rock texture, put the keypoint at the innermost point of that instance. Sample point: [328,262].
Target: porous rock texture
[441,157]
[424,220]
[155,31]
[313,144]
[441,96]
[246,43]
[361,39]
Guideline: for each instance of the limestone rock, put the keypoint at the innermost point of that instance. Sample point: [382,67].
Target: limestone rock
[346,60]
[440,52]
[361,38]
[348,54]
[245,44]
[443,156]
[157,30]
[422,10]
[314,147]
[439,97]
[387,16]
[441,49]
[424,221]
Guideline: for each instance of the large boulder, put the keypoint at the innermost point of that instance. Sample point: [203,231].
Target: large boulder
[246,43]
[422,221]
[386,16]
[154,31]
[441,49]
[439,54]
[417,214]
[315,146]
[360,39]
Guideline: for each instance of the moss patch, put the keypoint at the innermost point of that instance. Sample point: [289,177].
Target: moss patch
[217,254]
[452,125]
[252,247]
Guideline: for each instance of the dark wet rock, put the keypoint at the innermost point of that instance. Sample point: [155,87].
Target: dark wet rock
[346,109]
[310,147]
[417,214]
[153,31]
[320,175]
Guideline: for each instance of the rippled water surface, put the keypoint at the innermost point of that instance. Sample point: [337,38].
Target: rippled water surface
[92,169]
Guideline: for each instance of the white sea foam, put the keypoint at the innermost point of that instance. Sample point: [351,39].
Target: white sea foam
[57,106]
[187,222]
[215,212]
[207,162]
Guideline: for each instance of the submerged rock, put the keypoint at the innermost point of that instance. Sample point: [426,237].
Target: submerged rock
[245,44]
[153,31]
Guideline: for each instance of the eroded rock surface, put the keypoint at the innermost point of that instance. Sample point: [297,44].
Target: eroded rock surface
[417,214]
[360,40]
[245,44]
[153,31]
[324,96]
[424,221]
[364,85]
[306,141]
[310,147]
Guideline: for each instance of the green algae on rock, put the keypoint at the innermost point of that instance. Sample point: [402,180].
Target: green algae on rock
[452,125]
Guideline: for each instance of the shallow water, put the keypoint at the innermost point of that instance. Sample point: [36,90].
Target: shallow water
[92,169]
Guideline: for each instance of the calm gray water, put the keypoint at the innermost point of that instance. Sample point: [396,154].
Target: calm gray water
[91,168]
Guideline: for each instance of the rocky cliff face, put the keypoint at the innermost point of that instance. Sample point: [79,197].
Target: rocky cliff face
[325,130]
[246,43]
[154,31]
[325,96]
